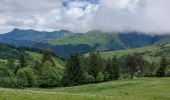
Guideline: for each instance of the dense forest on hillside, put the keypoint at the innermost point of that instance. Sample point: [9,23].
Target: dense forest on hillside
[23,68]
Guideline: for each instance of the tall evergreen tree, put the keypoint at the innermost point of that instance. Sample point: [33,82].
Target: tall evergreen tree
[22,60]
[162,68]
[47,57]
[115,68]
[112,69]
[73,74]
[108,70]
[95,64]
[11,64]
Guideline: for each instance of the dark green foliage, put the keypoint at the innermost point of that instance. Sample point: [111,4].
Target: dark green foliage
[115,69]
[22,60]
[160,72]
[26,77]
[37,66]
[11,65]
[50,75]
[73,74]
[22,78]
[7,78]
[162,68]
[106,76]
[100,77]
[8,53]
[135,63]
[167,72]
[95,64]
[150,70]
[87,78]
[47,57]
[112,70]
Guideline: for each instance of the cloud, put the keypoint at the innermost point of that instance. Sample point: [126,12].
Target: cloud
[148,16]
[45,15]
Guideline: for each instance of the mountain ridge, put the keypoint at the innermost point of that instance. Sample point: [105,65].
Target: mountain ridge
[64,42]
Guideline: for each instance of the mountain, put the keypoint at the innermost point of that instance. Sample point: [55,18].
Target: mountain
[64,42]
[111,41]
[32,35]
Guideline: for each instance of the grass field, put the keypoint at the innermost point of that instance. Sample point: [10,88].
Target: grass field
[137,89]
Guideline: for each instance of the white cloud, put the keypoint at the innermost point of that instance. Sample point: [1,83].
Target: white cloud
[148,16]
[46,15]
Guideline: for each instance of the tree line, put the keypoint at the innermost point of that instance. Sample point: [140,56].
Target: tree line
[77,70]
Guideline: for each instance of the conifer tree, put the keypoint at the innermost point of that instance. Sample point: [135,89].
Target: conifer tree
[162,68]
[22,60]
[73,74]
[112,69]
[47,57]
[95,64]
[115,69]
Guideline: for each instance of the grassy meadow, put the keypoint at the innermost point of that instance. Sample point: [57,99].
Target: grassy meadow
[137,89]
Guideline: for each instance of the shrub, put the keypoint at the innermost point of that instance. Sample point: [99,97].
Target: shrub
[87,78]
[7,78]
[26,77]
[100,77]
[50,76]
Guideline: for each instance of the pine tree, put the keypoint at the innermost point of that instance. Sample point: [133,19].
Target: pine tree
[164,62]
[162,68]
[95,64]
[47,57]
[112,69]
[22,60]
[115,69]
[108,70]
[11,64]
[73,74]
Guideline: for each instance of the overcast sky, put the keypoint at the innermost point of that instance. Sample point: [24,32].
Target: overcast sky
[148,16]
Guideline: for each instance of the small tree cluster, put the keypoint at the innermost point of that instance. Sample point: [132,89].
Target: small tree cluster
[42,74]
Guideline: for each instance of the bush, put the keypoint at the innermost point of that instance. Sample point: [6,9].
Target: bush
[88,78]
[100,77]
[7,78]
[50,76]
[167,73]
[8,82]
[26,77]
[106,76]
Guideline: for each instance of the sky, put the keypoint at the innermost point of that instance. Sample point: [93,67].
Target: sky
[147,16]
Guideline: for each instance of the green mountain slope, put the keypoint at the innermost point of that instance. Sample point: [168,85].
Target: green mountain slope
[92,38]
[150,53]
[9,52]
[37,57]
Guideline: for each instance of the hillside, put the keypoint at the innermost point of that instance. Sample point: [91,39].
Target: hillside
[92,38]
[10,52]
[150,53]
[137,89]
[37,57]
